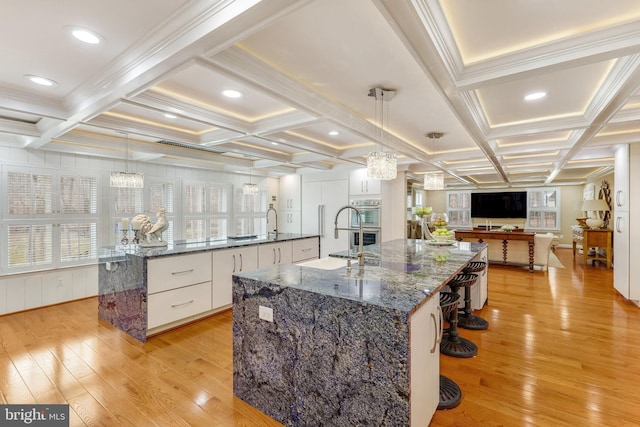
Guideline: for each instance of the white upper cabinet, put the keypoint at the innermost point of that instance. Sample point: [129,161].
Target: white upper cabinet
[360,184]
[290,195]
[621,186]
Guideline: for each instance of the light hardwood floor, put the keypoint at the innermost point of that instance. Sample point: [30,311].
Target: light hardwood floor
[563,348]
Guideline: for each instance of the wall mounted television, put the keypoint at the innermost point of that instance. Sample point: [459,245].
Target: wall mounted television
[512,204]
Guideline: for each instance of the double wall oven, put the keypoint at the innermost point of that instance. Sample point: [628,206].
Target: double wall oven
[371,213]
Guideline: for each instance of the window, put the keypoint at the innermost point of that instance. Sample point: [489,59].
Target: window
[249,213]
[206,209]
[50,219]
[459,208]
[543,210]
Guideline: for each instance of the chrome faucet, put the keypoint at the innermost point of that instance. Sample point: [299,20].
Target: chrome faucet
[275,229]
[360,253]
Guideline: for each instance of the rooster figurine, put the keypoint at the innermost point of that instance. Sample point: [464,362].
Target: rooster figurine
[149,234]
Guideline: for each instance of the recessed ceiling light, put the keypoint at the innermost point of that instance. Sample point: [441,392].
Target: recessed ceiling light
[170,116]
[274,143]
[334,133]
[230,93]
[40,80]
[535,95]
[85,36]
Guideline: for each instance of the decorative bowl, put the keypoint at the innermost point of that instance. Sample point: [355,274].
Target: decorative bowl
[439,220]
[443,238]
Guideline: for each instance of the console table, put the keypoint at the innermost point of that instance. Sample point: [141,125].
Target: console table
[600,238]
[505,236]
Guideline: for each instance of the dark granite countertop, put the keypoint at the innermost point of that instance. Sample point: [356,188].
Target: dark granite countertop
[115,253]
[399,274]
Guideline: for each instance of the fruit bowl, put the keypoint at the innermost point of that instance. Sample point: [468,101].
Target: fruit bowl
[439,220]
[443,237]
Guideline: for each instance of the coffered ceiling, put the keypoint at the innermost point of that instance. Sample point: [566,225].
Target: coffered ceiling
[305,68]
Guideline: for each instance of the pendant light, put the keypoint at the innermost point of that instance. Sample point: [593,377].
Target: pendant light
[381,165]
[249,188]
[434,180]
[126,179]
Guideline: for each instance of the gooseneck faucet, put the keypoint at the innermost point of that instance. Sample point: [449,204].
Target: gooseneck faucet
[360,253]
[271,208]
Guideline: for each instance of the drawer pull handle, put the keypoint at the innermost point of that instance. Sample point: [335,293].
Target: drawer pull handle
[184,304]
[175,273]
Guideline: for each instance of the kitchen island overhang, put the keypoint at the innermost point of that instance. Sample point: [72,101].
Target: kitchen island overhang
[339,346]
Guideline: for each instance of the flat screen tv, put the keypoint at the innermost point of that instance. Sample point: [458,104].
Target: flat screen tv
[512,204]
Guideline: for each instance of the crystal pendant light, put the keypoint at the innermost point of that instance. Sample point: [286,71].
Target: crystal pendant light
[126,179]
[434,180]
[248,188]
[381,165]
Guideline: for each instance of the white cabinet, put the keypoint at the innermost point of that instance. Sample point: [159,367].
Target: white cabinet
[167,273]
[290,192]
[320,203]
[360,184]
[227,262]
[626,233]
[426,334]
[178,288]
[621,184]
[289,214]
[480,291]
[305,249]
[178,304]
[274,254]
[621,272]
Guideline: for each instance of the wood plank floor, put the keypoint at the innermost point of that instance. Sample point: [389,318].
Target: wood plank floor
[563,348]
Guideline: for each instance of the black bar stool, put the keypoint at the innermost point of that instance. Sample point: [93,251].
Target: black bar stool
[450,393]
[466,319]
[452,343]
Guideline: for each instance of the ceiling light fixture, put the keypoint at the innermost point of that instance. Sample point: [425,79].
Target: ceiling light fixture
[334,133]
[126,179]
[434,180]
[170,116]
[85,35]
[43,81]
[535,95]
[249,188]
[230,93]
[381,165]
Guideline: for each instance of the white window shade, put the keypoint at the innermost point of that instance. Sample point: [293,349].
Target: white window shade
[29,245]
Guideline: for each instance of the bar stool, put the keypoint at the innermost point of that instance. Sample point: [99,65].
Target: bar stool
[450,393]
[466,319]
[452,343]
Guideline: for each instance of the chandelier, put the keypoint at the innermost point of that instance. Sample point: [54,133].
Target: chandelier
[381,165]
[126,179]
[434,180]
[248,188]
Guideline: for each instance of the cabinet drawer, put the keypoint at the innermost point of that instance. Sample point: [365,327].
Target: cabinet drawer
[170,306]
[178,271]
[305,249]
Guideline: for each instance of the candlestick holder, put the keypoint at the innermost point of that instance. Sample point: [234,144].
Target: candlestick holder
[125,239]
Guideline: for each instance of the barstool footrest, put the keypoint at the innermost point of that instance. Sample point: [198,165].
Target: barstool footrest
[458,347]
[450,393]
[470,321]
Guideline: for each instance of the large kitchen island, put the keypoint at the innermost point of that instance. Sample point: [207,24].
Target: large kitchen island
[323,344]
[144,291]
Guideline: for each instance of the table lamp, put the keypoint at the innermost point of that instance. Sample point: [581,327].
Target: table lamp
[596,205]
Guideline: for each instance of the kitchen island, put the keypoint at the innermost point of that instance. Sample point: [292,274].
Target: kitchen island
[144,291]
[318,344]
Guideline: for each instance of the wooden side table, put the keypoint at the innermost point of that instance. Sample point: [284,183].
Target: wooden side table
[597,239]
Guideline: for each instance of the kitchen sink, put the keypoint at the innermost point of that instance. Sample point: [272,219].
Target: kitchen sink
[329,263]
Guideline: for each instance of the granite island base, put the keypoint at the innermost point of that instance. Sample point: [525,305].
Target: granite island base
[345,347]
